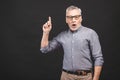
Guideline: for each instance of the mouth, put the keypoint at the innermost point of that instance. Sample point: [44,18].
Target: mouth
[73,25]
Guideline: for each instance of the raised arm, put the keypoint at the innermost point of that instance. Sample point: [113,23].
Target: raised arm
[46,30]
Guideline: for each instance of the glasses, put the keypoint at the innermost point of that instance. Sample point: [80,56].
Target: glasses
[75,17]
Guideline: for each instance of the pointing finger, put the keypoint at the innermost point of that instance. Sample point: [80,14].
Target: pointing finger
[49,19]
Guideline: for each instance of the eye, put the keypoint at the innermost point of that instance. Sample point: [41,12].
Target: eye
[71,17]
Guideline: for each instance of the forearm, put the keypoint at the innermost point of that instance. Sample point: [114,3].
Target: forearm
[46,29]
[97,71]
[44,40]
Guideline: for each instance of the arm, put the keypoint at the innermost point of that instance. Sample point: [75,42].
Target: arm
[97,71]
[97,55]
[46,45]
[46,29]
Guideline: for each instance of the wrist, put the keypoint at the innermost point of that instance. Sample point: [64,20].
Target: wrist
[46,32]
[95,78]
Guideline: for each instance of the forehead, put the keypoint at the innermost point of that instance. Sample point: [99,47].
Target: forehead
[73,12]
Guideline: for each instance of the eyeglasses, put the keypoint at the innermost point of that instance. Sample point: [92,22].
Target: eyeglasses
[75,17]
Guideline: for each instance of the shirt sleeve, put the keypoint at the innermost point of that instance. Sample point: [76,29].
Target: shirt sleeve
[96,49]
[53,44]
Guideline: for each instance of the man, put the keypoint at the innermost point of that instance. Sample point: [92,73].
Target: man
[83,59]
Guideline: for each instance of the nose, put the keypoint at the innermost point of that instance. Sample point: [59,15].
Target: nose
[73,19]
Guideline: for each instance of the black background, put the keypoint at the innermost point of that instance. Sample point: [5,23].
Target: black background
[21,32]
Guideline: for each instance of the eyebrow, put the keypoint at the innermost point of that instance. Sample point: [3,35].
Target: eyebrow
[73,16]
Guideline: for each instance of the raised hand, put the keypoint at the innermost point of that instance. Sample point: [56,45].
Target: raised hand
[47,26]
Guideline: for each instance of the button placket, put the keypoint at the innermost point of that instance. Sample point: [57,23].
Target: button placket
[72,55]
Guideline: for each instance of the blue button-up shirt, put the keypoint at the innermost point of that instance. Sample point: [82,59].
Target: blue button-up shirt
[78,47]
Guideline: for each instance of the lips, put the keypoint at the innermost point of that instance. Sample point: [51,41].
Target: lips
[73,26]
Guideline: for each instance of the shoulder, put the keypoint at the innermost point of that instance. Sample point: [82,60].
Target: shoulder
[61,34]
[89,30]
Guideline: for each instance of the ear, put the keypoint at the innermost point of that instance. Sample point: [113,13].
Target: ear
[81,19]
[66,21]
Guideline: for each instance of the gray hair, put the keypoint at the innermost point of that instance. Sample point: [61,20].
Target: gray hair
[72,8]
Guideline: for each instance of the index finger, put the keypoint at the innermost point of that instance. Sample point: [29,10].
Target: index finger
[49,18]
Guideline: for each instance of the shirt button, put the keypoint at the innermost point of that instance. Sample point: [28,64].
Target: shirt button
[72,56]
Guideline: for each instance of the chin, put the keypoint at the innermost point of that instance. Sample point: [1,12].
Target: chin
[73,29]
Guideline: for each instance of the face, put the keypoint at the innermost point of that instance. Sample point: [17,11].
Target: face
[73,19]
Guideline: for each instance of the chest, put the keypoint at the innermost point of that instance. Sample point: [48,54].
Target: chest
[77,40]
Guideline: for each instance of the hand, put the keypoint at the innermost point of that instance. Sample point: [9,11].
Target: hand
[47,26]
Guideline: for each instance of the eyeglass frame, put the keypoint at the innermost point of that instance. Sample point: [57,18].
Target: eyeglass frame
[71,17]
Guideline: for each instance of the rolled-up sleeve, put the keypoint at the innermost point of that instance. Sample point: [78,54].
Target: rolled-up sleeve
[53,44]
[96,49]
